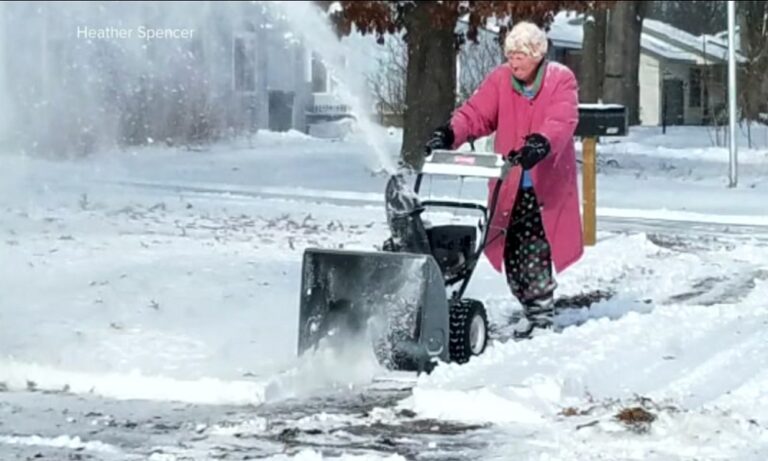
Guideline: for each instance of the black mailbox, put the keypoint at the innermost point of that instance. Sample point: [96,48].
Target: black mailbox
[602,120]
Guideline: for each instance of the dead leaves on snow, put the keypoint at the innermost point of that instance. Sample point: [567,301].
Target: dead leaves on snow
[637,419]
[636,416]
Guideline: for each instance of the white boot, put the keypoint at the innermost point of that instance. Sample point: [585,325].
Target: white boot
[537,314]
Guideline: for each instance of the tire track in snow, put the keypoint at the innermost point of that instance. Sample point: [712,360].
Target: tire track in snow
[663,362]
[749,398]
[646,354]
[729,288]
[736,363]
[616,359]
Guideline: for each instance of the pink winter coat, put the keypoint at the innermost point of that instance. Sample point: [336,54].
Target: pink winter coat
[553,112]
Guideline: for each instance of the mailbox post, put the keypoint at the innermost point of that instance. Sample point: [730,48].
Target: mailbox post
[595,120]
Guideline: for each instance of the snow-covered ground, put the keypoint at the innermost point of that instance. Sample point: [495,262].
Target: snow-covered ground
[150,298]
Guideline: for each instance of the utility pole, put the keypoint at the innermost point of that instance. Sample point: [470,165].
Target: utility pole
[732,147]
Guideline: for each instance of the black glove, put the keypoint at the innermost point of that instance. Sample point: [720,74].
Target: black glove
[535,149]
[442,138]
[511,160]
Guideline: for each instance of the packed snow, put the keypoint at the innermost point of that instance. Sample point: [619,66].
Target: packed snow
[158,276]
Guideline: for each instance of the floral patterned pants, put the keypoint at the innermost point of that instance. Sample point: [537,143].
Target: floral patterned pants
[527,255]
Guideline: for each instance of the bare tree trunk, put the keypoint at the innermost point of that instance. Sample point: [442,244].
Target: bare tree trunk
[430,83]
[614,83]
[622,57]
[753,19]
[589,86]
[593,57]
[601,28]
[632,58]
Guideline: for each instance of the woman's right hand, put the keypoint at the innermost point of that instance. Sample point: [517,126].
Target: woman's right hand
[510,161]
[442,138]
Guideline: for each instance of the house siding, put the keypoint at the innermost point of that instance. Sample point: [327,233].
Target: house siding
[650,90]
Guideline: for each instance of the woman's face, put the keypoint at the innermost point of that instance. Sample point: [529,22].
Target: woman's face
[523,66]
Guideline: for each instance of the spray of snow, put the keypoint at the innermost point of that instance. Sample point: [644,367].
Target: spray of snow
[309,22]
[326,369]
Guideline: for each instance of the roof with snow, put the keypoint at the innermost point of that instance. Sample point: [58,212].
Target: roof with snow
[566,31]
[681,45]
[658,38]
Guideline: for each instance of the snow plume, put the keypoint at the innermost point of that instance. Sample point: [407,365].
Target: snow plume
[329,368]
[318,35]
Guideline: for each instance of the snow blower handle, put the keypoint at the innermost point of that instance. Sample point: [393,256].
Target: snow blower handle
[510,161]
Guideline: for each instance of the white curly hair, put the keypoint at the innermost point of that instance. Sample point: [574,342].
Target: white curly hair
[527,38]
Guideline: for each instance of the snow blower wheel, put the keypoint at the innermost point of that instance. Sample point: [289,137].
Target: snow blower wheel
[468,329]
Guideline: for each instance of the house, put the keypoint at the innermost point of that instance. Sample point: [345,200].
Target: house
[339,79]
[682,77]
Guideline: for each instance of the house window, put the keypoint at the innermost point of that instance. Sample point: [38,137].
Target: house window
[323,80]
[320,83]
[244,59]
[694,87]
[557,54]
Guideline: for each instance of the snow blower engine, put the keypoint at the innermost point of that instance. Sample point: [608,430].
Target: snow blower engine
[405,301]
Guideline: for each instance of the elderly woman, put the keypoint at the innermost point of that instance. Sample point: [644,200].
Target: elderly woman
[532,106]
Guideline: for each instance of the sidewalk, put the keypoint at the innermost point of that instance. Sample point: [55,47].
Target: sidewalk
[637,180]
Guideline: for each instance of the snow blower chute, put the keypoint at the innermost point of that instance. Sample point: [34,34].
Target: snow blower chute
[405,301]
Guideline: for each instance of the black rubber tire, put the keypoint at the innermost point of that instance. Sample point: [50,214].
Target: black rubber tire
[460,321]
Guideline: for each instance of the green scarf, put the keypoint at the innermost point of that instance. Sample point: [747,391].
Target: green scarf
[519,86]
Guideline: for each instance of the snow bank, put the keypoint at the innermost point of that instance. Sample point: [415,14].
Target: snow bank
[129,386]
[62,441]
[333,130]
[697,143]
[692,345]
[487,403]
[272,137]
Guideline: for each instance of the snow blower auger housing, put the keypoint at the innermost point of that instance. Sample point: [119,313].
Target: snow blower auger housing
[405,301]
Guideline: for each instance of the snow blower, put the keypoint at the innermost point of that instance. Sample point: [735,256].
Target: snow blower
[405,301]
